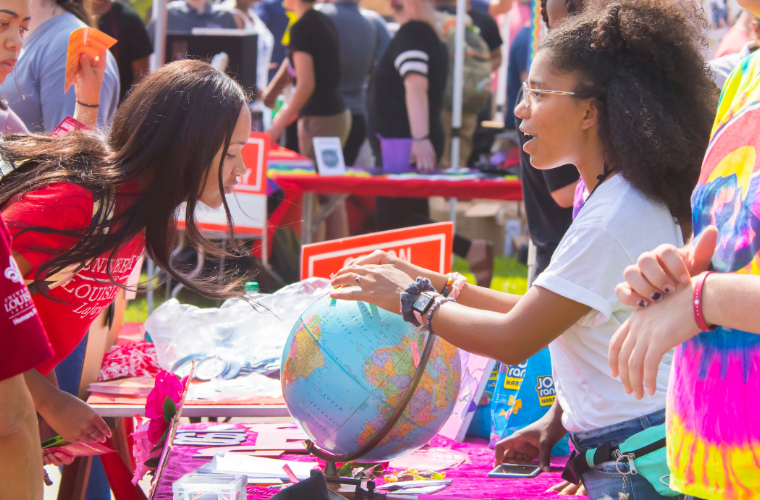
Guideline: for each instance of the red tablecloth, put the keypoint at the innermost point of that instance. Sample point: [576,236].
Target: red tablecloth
[469,479]
[413,187]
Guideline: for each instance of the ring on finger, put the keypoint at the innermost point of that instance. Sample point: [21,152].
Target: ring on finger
[93,435]
[358,281]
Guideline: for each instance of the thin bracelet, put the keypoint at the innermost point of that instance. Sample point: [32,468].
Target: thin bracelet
[88,105]
[420,139]
[433,310]
[447,287]
[699,316]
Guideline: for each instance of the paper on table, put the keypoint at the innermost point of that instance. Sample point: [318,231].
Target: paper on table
[423,491]
[426,459]
[405,485]
[256,467]
[84,41]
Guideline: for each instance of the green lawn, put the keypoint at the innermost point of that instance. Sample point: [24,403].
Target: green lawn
[509,276]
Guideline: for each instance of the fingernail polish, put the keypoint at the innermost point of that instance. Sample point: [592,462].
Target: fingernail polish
[641,303]
[656,296]
[684,279]
[667,288]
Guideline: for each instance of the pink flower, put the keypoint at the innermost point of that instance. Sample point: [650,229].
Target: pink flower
[156,430]
[141,449]
[167,386]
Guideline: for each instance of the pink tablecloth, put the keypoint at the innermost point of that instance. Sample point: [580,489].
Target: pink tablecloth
[469,479]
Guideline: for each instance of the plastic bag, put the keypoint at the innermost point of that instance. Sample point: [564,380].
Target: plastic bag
[235,334]
[524,394]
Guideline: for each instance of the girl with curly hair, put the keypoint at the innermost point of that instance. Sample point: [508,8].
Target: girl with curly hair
[622,92]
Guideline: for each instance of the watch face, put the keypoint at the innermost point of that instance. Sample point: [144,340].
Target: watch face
[422,302]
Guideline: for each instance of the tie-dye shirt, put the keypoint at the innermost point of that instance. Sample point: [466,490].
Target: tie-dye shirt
[714,393]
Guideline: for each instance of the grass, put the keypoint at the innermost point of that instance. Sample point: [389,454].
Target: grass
[509,276]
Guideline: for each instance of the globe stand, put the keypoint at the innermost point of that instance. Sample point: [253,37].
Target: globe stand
[350,457]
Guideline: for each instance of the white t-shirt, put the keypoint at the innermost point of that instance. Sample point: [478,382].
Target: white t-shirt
[616,225]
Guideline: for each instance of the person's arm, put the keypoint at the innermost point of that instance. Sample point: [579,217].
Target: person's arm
[276,86]
[305,84]
[536,320]
[20,452]
[495,59]
[564,197]
[471,295]
[87,89]
[417,106]
[69,416]
[498,7]
[140,69]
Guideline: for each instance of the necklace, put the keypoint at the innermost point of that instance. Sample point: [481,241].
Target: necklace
[601,178]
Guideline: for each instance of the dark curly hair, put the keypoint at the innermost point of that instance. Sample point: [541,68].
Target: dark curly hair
[641,60]
[571,8]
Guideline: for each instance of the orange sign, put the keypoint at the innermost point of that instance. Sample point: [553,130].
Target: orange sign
[84,41]
[425,246]
[248,203]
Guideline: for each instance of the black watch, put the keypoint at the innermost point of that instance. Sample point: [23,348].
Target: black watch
[423,303]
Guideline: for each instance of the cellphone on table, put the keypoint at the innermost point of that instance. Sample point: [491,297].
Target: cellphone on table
[516,471]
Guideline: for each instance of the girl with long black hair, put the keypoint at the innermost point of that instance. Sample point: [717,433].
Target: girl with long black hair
[82,208]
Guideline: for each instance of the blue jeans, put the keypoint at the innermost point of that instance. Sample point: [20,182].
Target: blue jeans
[605,480]
[69,372]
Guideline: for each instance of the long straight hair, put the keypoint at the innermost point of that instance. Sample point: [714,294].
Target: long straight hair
[164,138]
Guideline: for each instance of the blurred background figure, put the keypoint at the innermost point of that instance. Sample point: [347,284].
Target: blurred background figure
[363,38]
[482,57]
[132,52]
[184,15]
[405,100]
[36,92]
[723,66]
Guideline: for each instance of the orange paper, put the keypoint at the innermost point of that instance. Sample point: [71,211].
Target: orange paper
[84,41]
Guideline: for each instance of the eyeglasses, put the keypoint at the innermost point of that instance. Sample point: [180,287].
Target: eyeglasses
[527,91]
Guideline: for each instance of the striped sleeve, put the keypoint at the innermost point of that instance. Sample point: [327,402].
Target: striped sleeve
[412,61]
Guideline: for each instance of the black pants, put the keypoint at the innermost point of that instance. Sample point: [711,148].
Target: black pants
[395,213]
[355,139]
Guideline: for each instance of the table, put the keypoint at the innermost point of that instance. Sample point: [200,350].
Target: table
[469,479]
[300,181]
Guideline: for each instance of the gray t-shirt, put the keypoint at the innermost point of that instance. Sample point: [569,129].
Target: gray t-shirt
[363,38]
[35,88]
[181,17]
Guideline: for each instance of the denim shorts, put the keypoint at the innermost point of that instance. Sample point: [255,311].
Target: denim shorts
[605,481]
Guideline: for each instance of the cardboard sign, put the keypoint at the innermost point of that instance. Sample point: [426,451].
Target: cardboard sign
[426,246]
[329,153]
[248,202]
[84,41]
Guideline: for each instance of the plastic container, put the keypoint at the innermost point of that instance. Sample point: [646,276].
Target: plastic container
[200,486]
[397,155]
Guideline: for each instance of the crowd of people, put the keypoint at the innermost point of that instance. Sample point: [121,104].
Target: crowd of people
[638,168]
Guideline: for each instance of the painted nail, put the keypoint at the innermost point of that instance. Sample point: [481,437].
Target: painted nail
[667,288]
[641,303]
[684,279]
[656,296]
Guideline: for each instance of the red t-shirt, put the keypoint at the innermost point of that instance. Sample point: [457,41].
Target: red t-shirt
[79,300]
[23,343]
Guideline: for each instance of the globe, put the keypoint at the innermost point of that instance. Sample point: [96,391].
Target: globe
[345,368]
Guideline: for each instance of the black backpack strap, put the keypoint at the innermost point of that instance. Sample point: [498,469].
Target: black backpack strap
[582,461]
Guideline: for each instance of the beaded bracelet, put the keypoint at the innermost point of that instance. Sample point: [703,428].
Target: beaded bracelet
[432,311]
[699,316]
[447,287]
[454,285]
